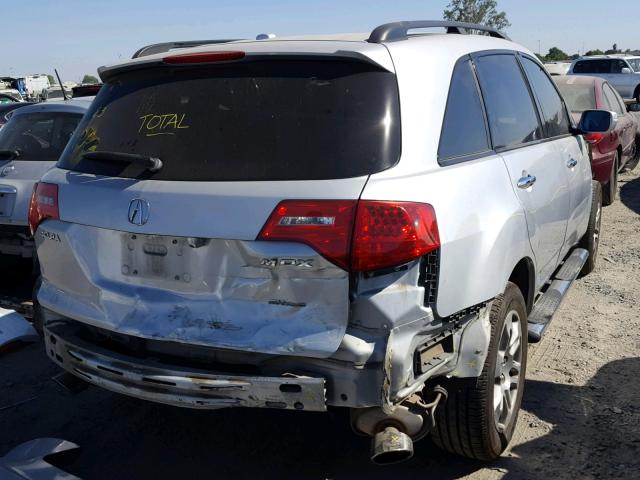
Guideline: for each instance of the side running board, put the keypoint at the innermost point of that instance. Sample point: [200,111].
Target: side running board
[550,301]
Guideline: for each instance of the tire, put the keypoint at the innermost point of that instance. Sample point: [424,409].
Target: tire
[610,190]
[633,163]
[591,238]
[467,423]
[38,314]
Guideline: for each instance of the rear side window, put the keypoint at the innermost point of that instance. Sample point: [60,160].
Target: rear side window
[250,120]
[464,130]
[512,115]
[40,136]
[556,119]
[611,99]
[592,66]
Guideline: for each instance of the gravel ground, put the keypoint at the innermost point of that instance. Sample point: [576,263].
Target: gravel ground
[580,418]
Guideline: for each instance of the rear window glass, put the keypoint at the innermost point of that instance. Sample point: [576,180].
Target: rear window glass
[578,97]
[252,120]
[592,66]
[39,136]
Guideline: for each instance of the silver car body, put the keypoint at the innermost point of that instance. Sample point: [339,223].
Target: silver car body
[17,178]
[305,322]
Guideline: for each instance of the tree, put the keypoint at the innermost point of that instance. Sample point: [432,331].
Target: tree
[556,55]
[477,11]
[613,51]
[591,53]
[52,79]
[90,79]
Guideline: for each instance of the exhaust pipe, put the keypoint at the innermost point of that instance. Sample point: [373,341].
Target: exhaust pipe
[391,446]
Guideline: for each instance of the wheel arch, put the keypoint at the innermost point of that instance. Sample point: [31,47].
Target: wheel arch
[523,276]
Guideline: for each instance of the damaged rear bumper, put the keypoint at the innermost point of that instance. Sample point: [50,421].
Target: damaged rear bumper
[179,386]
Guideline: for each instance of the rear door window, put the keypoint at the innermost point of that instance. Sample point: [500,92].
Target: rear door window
[612,100]
[40,136]
[250,120]
[513,118]
[464,131]
[556,119]
[592,66]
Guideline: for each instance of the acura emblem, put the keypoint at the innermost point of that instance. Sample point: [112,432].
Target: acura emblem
[138,211]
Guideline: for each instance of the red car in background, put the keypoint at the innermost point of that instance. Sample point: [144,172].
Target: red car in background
[611,152]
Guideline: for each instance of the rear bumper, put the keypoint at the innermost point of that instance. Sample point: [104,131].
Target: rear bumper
[179,386]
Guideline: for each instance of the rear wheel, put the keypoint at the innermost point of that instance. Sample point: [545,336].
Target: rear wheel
[479,417]
[591,238]
[610,190]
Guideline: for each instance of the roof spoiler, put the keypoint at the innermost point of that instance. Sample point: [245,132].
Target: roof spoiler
[390,32]
[166,46]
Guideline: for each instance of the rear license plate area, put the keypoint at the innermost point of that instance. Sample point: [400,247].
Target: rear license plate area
[157,257]
[7,201]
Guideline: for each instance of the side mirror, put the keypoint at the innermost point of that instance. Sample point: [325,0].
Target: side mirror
[626,70]
[634,107]
[597,121]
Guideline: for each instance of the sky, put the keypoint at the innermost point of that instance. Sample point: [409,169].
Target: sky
[77,37]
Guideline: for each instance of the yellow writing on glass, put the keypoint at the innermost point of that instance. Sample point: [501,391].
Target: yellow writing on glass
[161,124]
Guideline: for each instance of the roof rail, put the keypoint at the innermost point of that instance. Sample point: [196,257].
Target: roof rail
[400,30]
[165,47]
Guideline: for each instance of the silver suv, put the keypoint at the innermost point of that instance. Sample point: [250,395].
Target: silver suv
[30,144]
[369,222]
[622,72]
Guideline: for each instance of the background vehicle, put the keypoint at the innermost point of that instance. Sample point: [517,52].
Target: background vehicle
[87,90]
[327,261]
[30,144]
[622,72]
[54,94]
[612,152]
[7,108]
[557,68]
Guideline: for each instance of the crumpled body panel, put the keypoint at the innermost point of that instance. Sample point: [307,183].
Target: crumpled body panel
[279,298]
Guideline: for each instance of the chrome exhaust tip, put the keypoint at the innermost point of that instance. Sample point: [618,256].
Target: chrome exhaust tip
[391,446]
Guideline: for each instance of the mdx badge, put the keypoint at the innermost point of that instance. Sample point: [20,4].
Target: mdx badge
[287,262]
[138,211]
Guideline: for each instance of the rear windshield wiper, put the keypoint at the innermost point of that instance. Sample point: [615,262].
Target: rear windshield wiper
[10,154]
[152,164]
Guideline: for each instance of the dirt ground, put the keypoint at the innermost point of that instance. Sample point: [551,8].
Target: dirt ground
[580,418]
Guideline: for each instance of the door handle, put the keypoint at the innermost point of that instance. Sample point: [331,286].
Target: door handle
[526,181]
[572,163]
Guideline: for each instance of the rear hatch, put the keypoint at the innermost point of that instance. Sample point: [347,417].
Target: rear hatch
[172,253]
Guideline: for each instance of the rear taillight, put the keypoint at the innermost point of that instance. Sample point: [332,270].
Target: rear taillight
[324,225]
[203,57]
[594,138]
[44,204]
[357,236]
[387,234]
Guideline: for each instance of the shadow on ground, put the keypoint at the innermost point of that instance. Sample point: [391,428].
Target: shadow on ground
[595,428]
[630,194]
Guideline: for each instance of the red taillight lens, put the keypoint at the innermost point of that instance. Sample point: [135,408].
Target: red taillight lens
[203,57]
[44,204]
[356,235]
[387,234]
[324,225]
[594,138]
